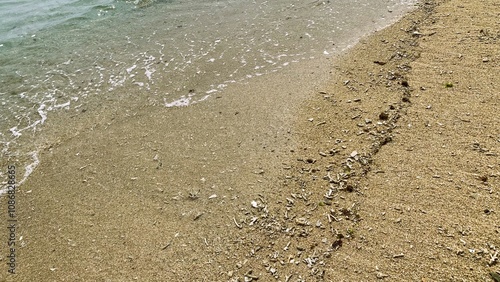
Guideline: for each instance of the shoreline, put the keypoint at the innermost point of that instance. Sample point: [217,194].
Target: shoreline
[256,202]
[157,82]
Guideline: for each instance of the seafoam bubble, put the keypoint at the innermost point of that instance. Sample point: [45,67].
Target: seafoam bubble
[131,69]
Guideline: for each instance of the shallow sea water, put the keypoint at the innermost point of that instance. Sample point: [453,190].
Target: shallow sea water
[60,56]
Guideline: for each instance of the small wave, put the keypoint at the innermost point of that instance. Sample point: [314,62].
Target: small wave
[28,170]
[156,54]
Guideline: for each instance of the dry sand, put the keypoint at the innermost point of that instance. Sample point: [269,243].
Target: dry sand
[389,172]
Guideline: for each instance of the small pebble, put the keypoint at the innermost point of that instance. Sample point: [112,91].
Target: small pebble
[383,116]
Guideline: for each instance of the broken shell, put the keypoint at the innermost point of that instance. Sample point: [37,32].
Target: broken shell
[302,221]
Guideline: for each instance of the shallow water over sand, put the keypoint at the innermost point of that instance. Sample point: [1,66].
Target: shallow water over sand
[163,53]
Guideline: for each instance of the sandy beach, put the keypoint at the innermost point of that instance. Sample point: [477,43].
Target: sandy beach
[390,172]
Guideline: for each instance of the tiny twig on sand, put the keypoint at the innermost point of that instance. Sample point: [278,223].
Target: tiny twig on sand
[237,225]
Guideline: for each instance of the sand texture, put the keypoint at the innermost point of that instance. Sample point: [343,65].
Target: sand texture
[388,172]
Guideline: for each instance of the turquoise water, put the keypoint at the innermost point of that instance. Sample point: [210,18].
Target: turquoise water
[24,18]
[61,55]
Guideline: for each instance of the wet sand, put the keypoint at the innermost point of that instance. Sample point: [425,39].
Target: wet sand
[388,171]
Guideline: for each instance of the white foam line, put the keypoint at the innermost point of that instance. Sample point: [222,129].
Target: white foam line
[64,105]
[15,132]
[42,114]
[31,167]
[131,69]
[182,102]
[28,170]
[204,98]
